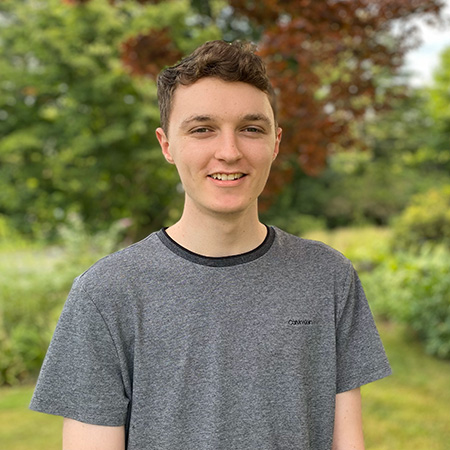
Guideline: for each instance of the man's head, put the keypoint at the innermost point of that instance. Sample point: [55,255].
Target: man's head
[235,61]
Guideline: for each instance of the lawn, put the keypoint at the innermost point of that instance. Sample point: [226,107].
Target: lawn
[409,410]
[23,429]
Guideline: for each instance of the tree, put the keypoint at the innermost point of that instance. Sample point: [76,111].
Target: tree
[439,109]
[332,62]
[77,130]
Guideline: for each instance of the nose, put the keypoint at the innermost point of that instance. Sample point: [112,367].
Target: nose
[228,147]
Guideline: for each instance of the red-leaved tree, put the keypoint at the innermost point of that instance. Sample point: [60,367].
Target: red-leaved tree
[332,61]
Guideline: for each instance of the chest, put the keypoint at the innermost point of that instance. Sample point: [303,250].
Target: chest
[235,323]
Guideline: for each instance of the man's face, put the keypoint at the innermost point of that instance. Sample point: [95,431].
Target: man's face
[222,139]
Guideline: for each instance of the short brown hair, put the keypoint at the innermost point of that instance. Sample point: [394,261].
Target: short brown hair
[235,61]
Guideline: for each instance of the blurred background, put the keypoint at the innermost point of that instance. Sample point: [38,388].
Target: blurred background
[364,99]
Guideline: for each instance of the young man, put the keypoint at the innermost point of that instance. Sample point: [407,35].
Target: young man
[218,332]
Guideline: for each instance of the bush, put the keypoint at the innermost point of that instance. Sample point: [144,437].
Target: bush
[425,220]
[365,246]
[9,237]
[34,283]
[415,289]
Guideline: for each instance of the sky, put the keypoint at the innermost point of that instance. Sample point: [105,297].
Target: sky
[425,58]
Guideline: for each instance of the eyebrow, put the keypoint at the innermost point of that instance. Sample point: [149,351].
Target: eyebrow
[257,118]
[205,118]
[199,118]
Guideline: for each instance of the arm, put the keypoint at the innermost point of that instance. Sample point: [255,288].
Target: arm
[83,436]
[348,432]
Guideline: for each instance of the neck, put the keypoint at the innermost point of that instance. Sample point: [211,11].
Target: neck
[219,235]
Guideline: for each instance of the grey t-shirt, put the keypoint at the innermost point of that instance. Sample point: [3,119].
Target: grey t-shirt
[245,352]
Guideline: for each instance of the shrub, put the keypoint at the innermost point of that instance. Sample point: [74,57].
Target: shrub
[365,246]
[415,289]
[425,220]
[9,237]
[34,282]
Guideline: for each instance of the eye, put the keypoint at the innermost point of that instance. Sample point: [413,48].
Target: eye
[200,130]
[251,129]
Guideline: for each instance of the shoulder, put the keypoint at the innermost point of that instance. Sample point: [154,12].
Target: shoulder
[305,259]
[119,269]
[309,251]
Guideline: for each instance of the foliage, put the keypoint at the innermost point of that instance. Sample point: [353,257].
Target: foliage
[402,135]
[404,287]
[401,159]
[366,246]
[297,224]
[77,131]
[34,283]
[28,306]
[439,110]
[425,220]
[331,61]
[9,237]
[415,289]
[355,189]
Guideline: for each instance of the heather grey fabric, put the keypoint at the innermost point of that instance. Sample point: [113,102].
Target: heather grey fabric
[245,352]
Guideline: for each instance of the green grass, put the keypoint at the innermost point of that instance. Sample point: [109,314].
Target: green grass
[408,410]
[23,429]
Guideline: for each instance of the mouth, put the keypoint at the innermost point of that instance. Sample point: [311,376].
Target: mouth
[227,176]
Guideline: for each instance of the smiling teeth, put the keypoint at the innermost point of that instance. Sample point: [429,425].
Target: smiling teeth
[226,177]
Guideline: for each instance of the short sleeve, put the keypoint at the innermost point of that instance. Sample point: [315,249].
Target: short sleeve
[81,377]
[360,355]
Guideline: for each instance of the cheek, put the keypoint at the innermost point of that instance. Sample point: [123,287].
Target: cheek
[190,164]
[195,156]
[265,159]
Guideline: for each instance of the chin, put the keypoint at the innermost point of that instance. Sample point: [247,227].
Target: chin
[230,209]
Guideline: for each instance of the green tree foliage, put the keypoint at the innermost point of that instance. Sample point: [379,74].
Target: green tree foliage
[439,109]
[332,61]
[405,155]
[425,221]
[355,188]
[78,131]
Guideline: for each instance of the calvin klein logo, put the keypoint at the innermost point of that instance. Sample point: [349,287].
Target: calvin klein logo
[300,322]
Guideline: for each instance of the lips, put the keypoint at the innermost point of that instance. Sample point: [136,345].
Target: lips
[227,176]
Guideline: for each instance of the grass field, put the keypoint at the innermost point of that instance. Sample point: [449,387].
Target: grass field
[409,410]
[22,429]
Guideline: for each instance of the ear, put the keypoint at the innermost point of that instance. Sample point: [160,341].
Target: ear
[277,143]
[164,143]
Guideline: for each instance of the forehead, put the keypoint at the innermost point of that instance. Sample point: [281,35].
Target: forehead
[215,97]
